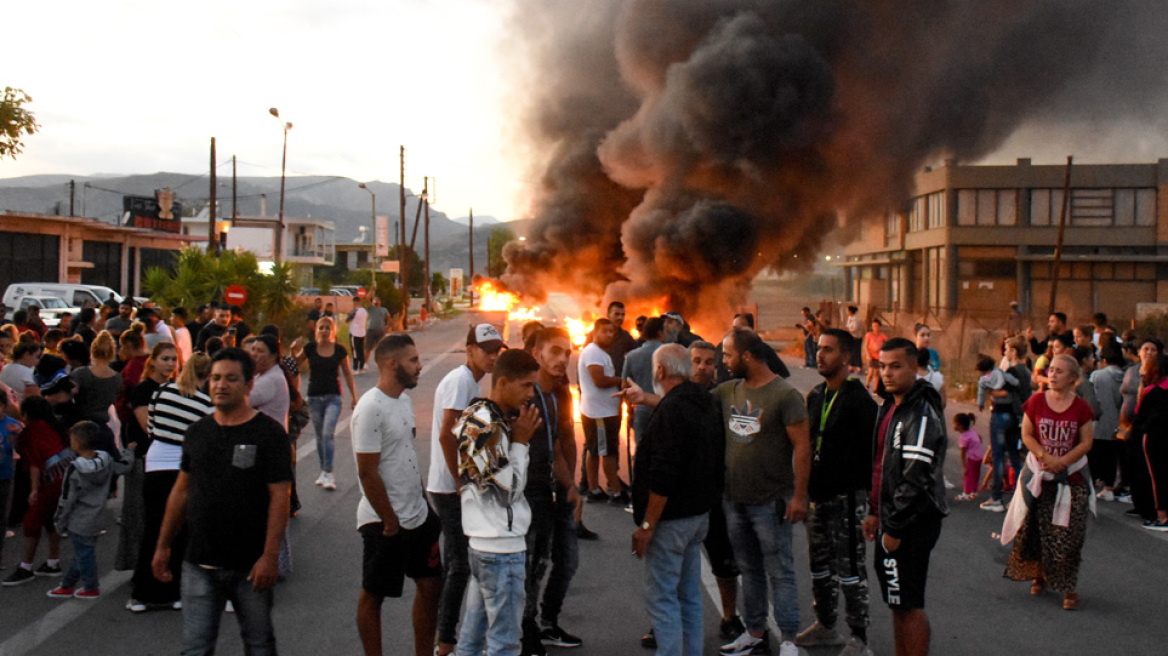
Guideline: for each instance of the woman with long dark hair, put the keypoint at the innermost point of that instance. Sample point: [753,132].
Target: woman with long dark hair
[1151,431]
[172,409]
[326,360]
[158,369]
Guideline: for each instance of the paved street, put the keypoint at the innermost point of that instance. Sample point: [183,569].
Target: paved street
[973,610]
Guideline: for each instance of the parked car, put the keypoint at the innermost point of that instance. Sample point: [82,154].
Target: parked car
[76,296]
[51,308]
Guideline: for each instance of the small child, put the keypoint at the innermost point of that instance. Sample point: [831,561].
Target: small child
[992,379]
[79,511]
[971,454]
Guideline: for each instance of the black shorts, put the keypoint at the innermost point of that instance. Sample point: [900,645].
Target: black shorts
[594,442]
[718,547]
[386,561]
[904,572]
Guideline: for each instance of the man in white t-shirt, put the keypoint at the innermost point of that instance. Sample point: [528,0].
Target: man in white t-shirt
[600,414]
[457,389]
[182,334]
[357,323]
[399,533]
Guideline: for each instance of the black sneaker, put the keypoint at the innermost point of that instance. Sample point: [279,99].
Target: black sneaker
[531,645]
[621,499]
[48,570]
[649,640]
[732,628]
[19,577]
[597,496]
[582,533]
[554,636]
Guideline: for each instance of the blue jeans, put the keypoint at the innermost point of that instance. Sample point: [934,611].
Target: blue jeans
[673,584]
[84,565]
[762,546]
[494,605]
[1003,443]
[325,412]
[204,593]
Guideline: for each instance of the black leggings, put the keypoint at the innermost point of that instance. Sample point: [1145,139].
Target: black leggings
[1103,460]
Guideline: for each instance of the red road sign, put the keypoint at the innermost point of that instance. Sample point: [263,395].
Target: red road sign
[235,295]
[361,292]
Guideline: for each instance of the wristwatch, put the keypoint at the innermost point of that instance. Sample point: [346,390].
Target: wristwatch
[646,526]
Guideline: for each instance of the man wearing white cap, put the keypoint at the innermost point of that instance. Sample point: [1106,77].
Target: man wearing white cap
[454,394]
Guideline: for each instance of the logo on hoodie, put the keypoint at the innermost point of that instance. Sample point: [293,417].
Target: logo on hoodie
[745,424]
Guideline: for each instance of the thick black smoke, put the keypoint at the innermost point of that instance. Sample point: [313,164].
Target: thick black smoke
[692,144]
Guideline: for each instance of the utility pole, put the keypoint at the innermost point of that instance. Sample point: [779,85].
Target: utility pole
[426,200]
[471,257]
[234,206]
[1058,247]
[402,262]
[72,195]
[213,244]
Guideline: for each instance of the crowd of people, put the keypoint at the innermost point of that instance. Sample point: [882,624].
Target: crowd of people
[193,422]
[199,419]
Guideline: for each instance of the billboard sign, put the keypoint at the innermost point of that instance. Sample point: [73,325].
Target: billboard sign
[160,212]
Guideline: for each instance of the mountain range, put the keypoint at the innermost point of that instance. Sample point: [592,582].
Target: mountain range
[332,198]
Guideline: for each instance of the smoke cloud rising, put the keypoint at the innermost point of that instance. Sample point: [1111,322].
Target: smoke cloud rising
[693,144]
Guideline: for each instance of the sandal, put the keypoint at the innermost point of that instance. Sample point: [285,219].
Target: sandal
[1038,587]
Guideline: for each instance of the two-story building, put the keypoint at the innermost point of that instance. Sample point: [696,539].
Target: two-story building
[974,238]
[306,242]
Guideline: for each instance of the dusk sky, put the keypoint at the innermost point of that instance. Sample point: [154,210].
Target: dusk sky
[139,87]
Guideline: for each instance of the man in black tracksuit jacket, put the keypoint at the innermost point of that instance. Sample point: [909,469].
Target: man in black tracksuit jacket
[843,417]
[908,492]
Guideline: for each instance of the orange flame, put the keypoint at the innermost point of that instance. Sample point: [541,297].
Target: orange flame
[495,300]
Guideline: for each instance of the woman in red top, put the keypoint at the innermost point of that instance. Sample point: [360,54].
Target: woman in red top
[1057,430]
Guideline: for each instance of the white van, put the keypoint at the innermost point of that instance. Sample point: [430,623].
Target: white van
[77,296]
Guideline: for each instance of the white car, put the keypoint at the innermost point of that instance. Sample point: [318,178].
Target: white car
[51,308]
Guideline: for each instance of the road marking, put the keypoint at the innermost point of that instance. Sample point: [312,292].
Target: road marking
[710,583]
[36,634]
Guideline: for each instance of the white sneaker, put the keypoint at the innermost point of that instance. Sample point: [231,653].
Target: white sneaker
[949,485]
[855,647]
[818,635]
[745,644]
[992,506]
[322,478]
[330,481]
[1106,495]
[788,648]
[230,608]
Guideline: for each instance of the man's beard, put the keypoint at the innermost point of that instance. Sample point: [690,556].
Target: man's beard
[739,370]
[671,335]
[404,378]
[658,388]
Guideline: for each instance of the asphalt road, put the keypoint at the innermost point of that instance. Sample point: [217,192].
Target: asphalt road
[973,609]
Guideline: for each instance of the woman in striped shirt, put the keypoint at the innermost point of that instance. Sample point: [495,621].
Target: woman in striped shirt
[173,408]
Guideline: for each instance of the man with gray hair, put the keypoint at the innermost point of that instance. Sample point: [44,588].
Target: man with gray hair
[679,467]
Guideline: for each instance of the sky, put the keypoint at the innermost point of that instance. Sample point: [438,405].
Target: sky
[139,87]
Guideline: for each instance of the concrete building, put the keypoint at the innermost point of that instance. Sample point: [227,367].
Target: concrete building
[306,243]
[45,248]
[974,238]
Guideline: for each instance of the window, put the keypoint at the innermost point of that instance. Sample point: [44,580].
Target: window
[937,213]
[1094,208]
[987,207]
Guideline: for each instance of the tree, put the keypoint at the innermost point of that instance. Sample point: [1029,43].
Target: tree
[496,265]
[438,283]
[16,122]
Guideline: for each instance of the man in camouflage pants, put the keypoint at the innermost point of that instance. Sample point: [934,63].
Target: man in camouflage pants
[843,417]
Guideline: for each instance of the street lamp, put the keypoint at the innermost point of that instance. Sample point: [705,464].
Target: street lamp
[373,240]
[279,245]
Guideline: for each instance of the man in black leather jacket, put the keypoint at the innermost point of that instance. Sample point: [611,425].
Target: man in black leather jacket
[908,493]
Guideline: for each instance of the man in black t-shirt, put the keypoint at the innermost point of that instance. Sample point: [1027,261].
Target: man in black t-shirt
[551,538]
[232,494]
[217,328]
